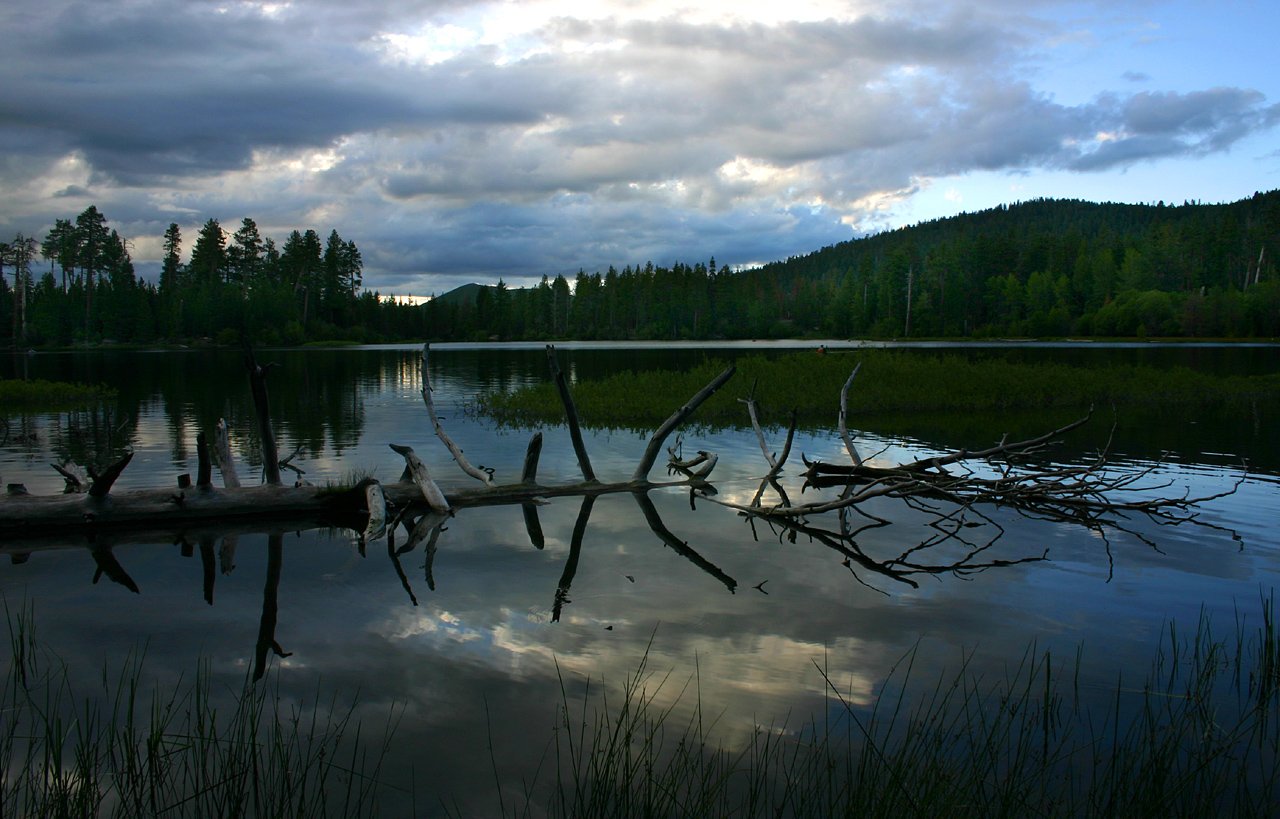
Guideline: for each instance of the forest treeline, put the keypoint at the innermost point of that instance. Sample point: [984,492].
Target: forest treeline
[1042,268]
[77,285]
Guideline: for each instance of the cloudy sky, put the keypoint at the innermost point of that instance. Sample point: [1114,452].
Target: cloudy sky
[459,141]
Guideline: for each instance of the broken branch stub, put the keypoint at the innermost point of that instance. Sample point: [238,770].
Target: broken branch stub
[422,477]
[102,483]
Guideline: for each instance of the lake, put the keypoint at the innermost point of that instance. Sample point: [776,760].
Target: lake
[477,649]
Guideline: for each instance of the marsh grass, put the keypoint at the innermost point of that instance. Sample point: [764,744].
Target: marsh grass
[39,394]
[890,382]
[119,750]
[1198,735]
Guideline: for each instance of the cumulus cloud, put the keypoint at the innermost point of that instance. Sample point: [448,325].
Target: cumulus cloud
[458,140]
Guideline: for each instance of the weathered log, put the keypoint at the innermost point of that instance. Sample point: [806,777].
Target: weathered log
[481,474]
[750,401]
[677,418]
[222,453]
[27,518]
[571,416]
[422,477]
[844,413]
[376,500]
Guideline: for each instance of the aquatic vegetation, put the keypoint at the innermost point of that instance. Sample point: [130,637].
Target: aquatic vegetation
[39,394]
[890,382]
[119,751]
[1198,736]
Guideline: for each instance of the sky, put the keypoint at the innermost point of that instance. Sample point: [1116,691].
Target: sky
[457,141]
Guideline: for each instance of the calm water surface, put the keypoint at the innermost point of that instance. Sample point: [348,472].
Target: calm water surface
[485,634]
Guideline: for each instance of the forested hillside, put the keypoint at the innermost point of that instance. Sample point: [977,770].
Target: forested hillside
[1040,268]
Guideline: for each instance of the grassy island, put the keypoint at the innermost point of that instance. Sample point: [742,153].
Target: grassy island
[889,382]
[50,395]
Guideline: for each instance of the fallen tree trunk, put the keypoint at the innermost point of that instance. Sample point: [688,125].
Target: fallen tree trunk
[141,510]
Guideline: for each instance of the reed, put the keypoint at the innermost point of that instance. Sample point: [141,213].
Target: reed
[123,751]
[1198,736]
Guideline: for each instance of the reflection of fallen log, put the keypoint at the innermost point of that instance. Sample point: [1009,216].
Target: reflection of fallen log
[100,512]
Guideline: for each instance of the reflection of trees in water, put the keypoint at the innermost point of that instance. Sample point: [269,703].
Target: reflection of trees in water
[93,437]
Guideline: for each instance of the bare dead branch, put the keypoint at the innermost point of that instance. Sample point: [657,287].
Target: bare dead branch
[481,474]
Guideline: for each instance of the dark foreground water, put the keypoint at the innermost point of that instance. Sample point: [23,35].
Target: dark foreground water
[476,646]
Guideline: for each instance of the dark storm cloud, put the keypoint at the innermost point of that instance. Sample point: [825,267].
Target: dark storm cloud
[582,143]
[1152,125]
[148,92]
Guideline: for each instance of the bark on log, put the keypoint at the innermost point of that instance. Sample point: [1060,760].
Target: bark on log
[376,500]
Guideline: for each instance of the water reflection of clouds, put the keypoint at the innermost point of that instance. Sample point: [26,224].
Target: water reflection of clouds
[484,638]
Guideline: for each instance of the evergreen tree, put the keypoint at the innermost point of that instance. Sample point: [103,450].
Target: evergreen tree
[208,265]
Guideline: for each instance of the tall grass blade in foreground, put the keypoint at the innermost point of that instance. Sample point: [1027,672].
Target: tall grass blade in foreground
[1199,736]
[187,752]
